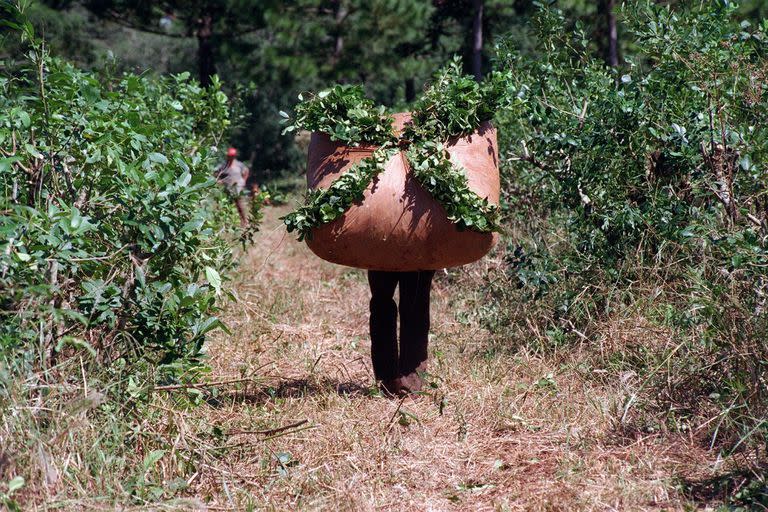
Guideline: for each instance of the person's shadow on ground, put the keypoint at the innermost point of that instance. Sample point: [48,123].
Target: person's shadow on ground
[291,388]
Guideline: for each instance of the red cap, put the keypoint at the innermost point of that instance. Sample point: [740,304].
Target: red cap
[231,152]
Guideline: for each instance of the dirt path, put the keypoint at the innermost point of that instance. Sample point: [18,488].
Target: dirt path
[499,430]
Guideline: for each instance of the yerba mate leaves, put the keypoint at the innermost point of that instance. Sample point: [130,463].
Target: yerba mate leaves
[327,205]
[448,184]
[344,113]
[455,104]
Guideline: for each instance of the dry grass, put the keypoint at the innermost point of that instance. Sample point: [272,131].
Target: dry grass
[499,430]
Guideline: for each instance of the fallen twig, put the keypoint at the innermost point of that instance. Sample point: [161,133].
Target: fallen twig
[399,405]
[269,431]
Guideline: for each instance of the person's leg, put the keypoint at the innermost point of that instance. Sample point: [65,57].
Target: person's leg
[383,324]
[414,326]
[242,205]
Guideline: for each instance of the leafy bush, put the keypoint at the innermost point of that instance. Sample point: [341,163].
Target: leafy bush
[110,238]
[113,249]
[643,191]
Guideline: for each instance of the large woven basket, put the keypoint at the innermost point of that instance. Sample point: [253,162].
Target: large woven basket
[398,226]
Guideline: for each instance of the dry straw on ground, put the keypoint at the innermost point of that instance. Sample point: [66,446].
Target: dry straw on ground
[297,424]
[499,431]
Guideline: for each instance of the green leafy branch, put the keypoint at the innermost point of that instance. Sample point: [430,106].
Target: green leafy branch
[344,113]
[326,205]
[454,105]
[432,167]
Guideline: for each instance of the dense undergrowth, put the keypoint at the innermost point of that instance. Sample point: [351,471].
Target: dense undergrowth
[639,195]
[113,249]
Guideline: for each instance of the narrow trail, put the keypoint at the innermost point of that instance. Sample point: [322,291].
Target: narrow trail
[499,429]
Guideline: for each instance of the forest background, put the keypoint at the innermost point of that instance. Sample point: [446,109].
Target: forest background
[267,52]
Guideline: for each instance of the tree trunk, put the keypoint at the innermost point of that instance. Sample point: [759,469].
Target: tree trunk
[339,17]
[205,59]
[410,89]
[613,33]
[477,41]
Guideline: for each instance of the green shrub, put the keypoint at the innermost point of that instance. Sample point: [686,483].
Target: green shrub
[110,236]
[114,246]
[642,191]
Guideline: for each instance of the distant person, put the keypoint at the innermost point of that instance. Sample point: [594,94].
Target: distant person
[233,175]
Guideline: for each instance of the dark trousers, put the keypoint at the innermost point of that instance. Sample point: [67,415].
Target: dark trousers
[388,362]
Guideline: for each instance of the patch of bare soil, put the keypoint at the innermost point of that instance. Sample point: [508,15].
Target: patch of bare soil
[498,430]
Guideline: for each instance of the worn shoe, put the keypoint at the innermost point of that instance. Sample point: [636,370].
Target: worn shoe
[411,383]
[391,387]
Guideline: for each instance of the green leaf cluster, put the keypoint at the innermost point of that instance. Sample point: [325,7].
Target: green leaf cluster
[110,229]
[432,167]
[455,104]
[322,206]
[344,113]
